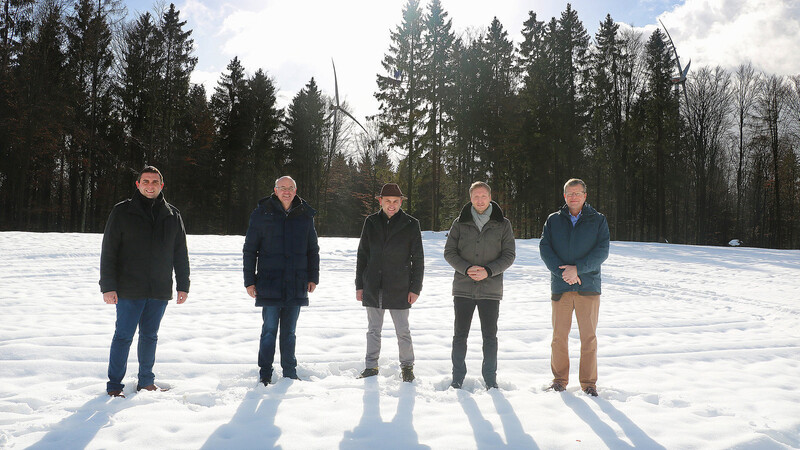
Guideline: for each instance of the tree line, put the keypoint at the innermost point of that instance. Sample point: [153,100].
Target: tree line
[87,98]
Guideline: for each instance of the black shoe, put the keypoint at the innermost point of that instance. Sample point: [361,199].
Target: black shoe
[491,384]
[408,373]
[369,373]
[456,384]
[591,390]
[266,380]
[292,377]
[558,387]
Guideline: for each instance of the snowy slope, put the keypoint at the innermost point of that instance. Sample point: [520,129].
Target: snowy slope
[699,347]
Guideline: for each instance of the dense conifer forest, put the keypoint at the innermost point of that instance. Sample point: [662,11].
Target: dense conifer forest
[88,96]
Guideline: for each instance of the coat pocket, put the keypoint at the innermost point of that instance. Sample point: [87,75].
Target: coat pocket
[301,284]
[269,283]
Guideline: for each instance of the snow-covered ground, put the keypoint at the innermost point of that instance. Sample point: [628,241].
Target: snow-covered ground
[699,347]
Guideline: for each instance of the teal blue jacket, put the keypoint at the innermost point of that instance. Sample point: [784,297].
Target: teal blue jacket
[585,246]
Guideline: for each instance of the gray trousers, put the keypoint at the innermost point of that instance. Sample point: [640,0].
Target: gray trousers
[375,324]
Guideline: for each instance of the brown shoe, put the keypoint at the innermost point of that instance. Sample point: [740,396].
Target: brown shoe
[557,387]
[150,388]
[116,394]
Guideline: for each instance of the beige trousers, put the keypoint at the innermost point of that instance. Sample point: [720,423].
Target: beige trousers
[587,310]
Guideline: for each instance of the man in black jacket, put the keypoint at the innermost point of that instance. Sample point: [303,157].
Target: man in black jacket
[281,267]
[143,243]
[389,270]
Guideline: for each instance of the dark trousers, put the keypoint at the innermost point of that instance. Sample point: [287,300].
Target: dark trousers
[488,311]
[274,317]
[145,314]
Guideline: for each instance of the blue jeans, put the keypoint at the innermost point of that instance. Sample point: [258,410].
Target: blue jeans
[286,318]
[146,314]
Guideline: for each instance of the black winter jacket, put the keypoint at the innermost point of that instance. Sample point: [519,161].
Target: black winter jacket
[143,242]
[390,258]
[281,253]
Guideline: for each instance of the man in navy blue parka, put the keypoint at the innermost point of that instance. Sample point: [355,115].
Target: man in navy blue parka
[281,267]
[574,244]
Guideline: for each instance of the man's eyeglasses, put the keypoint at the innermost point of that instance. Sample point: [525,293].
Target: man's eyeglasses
[574,194]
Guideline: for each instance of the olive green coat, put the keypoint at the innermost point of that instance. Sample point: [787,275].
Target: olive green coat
[493,247]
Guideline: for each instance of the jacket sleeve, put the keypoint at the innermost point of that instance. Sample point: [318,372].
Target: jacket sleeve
[508,253]
[546,252]
[109,253]
[313,254]
[451,254]
[592,261]
[252,242]
[362,257]
[180,257]
[417,260]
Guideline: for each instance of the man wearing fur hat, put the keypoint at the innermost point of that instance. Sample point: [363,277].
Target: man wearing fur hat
[480,246]
[389,270]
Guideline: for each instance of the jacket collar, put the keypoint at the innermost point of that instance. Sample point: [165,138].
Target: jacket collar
[466,214]
[397,222]
[145,205]
[586,211]
[298,206]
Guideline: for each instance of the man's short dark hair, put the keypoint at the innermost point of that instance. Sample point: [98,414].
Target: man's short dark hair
[151,169]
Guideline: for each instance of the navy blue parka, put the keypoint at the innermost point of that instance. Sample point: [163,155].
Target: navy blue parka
[281,253]
[585,246]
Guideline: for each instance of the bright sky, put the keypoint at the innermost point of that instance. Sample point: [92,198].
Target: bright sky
[294,40]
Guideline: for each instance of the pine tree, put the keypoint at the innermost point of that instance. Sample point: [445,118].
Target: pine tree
[140,89]
[437,84]
[400,93]
[605,127]
[307,130]
[178,64]
[89,59]
[228,108]
[265,157]
[662,110]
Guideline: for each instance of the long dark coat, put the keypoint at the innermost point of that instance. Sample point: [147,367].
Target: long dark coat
[281,253]
[143,242]
[390,258]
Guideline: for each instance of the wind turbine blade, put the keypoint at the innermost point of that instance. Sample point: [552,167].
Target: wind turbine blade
[335,83]
[355,120]
[675,50]
[686,69]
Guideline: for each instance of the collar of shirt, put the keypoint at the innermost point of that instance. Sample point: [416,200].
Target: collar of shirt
[574,219]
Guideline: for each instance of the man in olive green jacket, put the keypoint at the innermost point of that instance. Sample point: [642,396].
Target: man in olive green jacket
[480,247]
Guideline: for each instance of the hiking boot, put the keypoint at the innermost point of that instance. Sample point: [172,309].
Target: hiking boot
[369,372]
[491,384]
[556,386]
[456,384]
[292,377]
[116,394]
[266,380]
[408,373]
[591,390]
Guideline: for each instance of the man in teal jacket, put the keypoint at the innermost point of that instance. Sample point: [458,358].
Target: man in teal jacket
[574,244]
